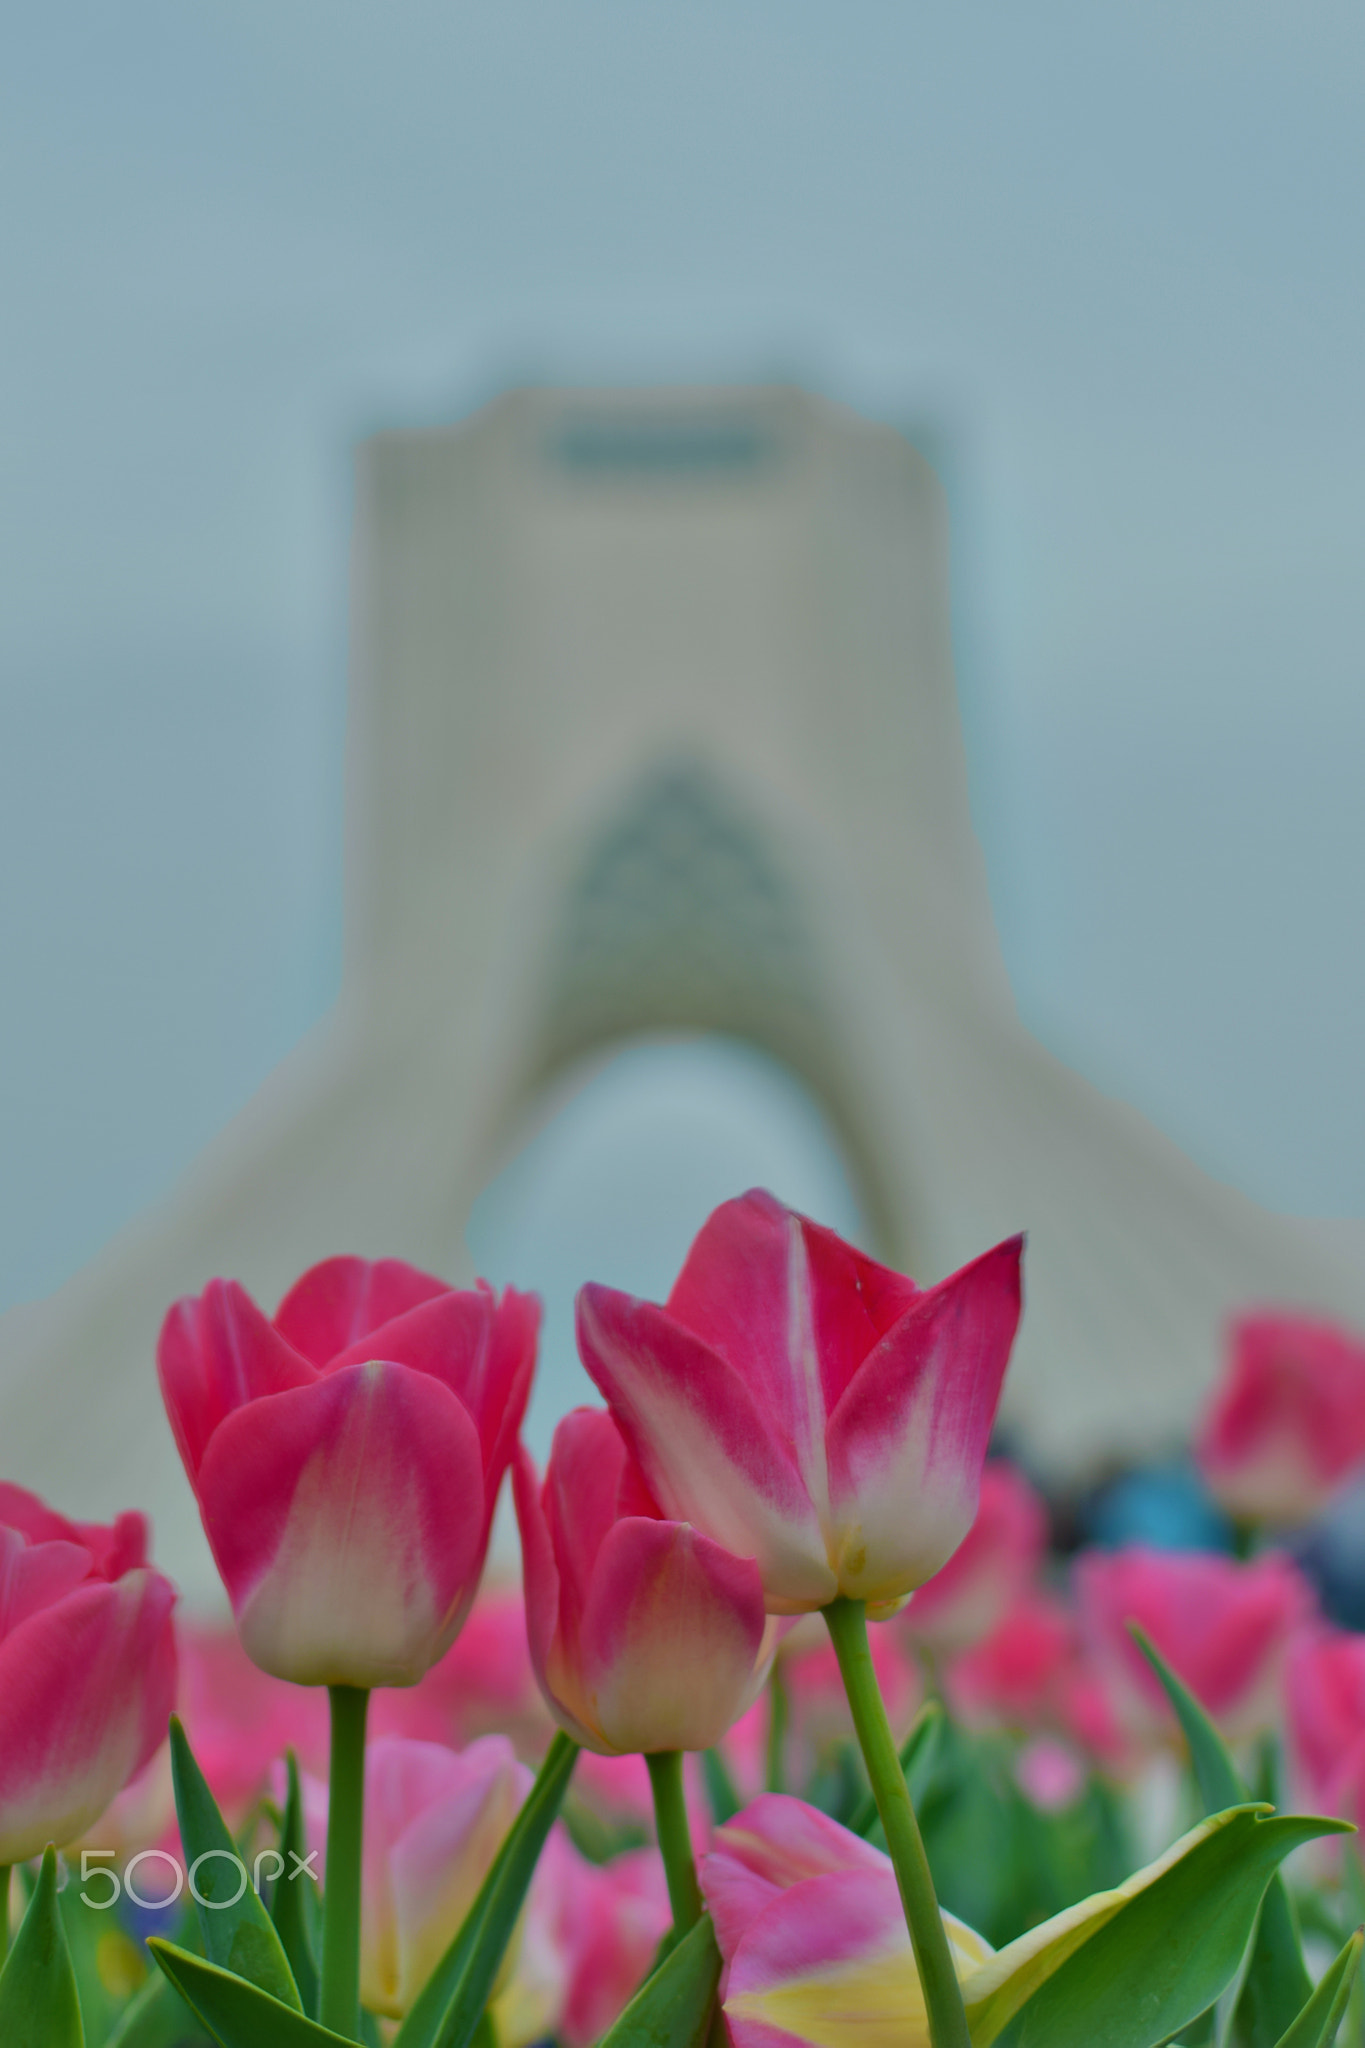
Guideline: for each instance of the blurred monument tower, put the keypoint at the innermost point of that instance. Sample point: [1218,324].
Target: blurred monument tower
[653,729]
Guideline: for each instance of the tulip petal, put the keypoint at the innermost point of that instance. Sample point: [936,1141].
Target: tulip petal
[35,1575]
[907,1441]
[745,1291]
[33,1518]
[707,1451]
[86,1689]
[763,1285]
[442,1857]
[497,1394]
[582,1482]
[672,1637]
[216,1353]
[829,1965]
[540,1579]
[333,1305]
[120,1548]
[774,1843]
[482,1350]
[348,1522]
[854,1302]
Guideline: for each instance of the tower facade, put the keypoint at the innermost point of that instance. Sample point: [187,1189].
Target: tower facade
[653,728]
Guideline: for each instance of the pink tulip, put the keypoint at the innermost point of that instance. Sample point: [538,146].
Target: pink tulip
[1049,1773]
[1018,1675]
[644,1634]
[347,1458]
[802,1907]
[591,1933]
[807,1407]
[434,1820]
[996,1560]
[1325,1703]
[1223,1627]
[1287,1423]
[87,1669]
[1035,1674]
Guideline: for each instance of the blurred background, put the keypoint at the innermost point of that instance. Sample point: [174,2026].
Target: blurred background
[1102,269]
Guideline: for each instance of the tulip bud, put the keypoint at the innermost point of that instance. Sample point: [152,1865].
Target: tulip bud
[645,1635]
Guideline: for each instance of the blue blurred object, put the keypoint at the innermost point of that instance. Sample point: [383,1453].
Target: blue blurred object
[1332,1554]
[1165,1505]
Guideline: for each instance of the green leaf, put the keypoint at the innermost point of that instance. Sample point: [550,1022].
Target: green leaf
[238,1933]
[1220,1785]
[292,1895]
[1316,2026]
[672,2008]
[39,2007]
[155,2017]
[1132,1967]
[915,1752]
[450,2005]
[1277,1983]
[238,2014]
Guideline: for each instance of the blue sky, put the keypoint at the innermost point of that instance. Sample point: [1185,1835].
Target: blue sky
[1109,257]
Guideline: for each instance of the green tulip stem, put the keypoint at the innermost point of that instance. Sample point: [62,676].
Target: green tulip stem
[4,1912]
[339,2003]
[847,1620]
[775,1775]
[675,1837]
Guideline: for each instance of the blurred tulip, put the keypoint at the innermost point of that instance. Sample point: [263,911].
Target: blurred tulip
[1287,1423]
[991,1568]
[644,1634]
[1222,1626]
[591,1933]
[1088,1718]
[434,1820]
[484,1685]
[87,1669]
[1325,1720]
[1017,1677]
[806,1406]
[812,1933]
[1049,1773]
[347,1458]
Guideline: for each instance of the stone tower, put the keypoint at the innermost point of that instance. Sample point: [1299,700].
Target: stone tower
[653,728]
